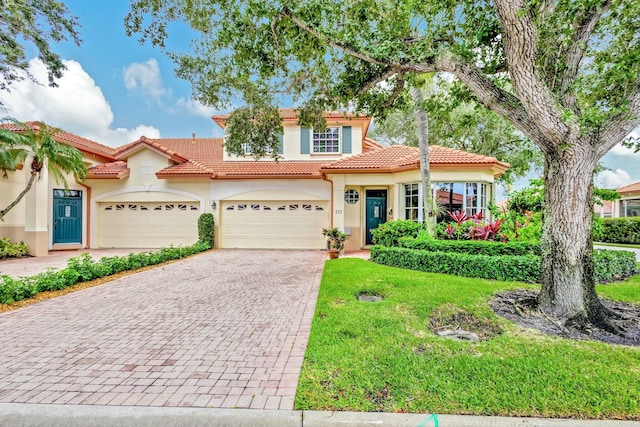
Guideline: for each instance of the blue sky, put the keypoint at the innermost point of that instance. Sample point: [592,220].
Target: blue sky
[116,90]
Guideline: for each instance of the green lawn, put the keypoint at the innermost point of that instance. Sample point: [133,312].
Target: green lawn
[382,356]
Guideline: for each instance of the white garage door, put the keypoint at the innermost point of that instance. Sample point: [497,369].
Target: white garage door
[147,225]
[274,225]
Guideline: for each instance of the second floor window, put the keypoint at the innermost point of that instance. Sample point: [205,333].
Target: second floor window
[327,141]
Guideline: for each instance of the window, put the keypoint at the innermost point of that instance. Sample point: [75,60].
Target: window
[351,196]
[411,201]
[327,141]
[467,197]
[631,207]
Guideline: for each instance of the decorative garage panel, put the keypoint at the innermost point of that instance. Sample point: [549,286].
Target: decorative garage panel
[147,225]
[286,224]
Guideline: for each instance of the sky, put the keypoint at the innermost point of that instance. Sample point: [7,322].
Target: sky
[116,90]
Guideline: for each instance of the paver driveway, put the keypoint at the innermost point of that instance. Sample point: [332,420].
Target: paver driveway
[226,328]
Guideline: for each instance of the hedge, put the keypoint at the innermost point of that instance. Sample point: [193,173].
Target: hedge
[206,232]
[84,268]
[474,247]
[618,230]
[609,264]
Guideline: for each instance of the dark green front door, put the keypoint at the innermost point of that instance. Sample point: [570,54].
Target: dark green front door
[67,216]
[376,211]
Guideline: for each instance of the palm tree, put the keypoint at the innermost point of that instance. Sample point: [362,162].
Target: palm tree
[23,141]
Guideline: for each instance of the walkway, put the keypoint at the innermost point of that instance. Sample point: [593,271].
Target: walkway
[222,329]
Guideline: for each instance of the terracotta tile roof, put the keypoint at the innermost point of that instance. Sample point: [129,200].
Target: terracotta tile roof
[158,144]
[630,188]
[262,169]
[190,168]
[369,144]
[114,170]
[397,157]
[82,144]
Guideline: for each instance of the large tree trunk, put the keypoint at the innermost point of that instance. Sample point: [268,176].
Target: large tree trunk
[568,287]
[425,173]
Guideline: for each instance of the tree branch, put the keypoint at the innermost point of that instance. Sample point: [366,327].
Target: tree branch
[618,127]
[520,42]
[337,44]
[488,93]
[575,52]
[374,81]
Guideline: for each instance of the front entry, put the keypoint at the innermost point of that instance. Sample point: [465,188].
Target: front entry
[67,216]
[376,212]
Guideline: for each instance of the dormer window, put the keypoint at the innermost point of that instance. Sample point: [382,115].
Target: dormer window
[327,141]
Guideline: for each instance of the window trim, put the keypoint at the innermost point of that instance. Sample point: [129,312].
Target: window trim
[313,140]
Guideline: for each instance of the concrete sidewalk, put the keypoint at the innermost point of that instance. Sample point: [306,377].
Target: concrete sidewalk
[25,415]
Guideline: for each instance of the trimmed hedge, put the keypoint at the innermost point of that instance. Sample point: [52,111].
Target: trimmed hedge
[618,230]
[473,247]
[609,264]
[84,268]
[523,268]
[206,231]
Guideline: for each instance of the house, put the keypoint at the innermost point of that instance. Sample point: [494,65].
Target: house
[629,202]
[149,193]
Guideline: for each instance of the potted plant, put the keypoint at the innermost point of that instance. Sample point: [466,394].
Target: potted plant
[335,241]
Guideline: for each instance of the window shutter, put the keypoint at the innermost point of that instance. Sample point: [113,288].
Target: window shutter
[280,144]
[305,134]
[346,139]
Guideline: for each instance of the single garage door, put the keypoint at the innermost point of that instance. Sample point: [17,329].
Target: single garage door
[147,225]
[274,225]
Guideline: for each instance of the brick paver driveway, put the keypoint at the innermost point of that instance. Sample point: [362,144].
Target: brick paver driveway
[221,329]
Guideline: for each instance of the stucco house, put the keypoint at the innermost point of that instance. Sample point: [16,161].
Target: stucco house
[149,193]
[627,205]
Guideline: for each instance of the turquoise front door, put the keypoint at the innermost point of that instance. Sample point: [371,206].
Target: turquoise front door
[67,216]
[376,211]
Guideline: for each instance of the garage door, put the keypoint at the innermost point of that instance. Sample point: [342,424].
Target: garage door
[147,225]
[274,225]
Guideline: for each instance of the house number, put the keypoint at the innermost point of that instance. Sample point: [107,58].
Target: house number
[338,211]
[67,211]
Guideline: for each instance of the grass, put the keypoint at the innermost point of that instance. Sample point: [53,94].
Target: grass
[382,356]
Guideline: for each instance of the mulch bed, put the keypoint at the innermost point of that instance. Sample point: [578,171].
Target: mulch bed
[520,307]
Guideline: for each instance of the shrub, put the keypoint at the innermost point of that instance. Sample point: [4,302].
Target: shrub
[206,231]
[475,247]
[618,230]
[609,265]
[83,268]
[9,249]
[387,234]
[523,268]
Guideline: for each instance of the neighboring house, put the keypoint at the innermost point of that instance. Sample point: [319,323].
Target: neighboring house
[149,193]
[629,203]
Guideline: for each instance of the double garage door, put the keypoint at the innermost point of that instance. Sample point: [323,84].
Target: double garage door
[289,224]
[147,225]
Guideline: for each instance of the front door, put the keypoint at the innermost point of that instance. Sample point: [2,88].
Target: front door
[376,212]
[67,216]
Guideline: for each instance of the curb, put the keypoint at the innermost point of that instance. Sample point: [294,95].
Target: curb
[31,415]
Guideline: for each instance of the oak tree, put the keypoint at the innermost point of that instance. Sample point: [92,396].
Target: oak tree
[563,72]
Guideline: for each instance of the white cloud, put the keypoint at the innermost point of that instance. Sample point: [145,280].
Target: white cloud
[613,178]
[145,77]
[77,105]
[195,108]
